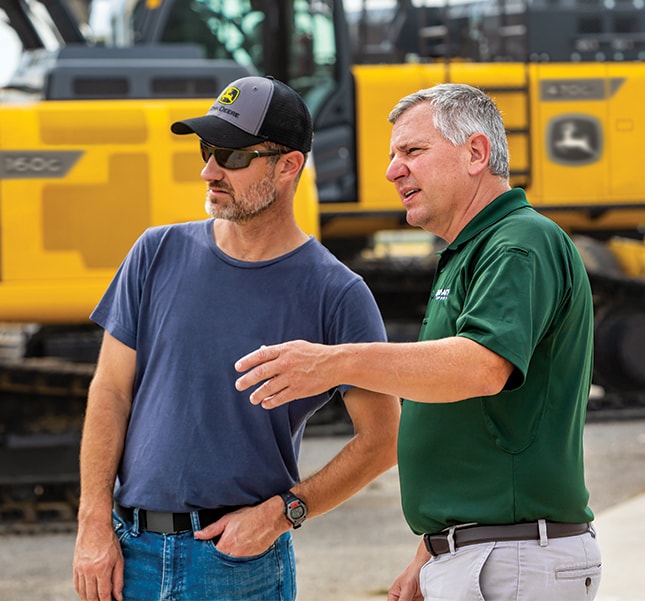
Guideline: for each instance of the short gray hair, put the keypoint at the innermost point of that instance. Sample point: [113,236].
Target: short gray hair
[458,111]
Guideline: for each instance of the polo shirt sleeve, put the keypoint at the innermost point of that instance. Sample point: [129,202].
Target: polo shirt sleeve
[511,303]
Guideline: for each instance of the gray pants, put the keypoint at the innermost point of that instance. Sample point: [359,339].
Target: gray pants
[560,569]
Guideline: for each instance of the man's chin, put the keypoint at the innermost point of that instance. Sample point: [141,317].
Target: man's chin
[409,217]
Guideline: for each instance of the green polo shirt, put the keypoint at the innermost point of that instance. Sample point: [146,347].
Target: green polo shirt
[513,282]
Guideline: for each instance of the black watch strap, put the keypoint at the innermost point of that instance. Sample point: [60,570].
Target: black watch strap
[295,509]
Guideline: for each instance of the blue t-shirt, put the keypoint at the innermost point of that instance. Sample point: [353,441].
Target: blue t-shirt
[190,311]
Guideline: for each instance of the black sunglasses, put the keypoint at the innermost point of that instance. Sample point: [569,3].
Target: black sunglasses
[233,158]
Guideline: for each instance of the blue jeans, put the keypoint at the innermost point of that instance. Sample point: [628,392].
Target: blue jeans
[178,567]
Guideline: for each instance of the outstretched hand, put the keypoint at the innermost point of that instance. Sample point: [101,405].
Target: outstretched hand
[286,372]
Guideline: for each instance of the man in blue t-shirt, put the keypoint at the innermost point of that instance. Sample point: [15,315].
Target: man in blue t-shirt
[188,491]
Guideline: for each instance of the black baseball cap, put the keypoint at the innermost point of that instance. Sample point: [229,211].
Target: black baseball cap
[251,110]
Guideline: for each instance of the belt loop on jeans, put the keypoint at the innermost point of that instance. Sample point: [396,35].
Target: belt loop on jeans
[196,522]
[136,524]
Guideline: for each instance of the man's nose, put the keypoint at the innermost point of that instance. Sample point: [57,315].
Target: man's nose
[395,169]
[211,171]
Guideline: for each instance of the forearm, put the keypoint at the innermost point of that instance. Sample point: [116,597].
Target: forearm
[440,371]
[98,561]
[436,371]
[101,450]
[356,465]
[370,452]
[106,418]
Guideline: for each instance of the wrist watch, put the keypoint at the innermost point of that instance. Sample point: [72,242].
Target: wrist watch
[295,509]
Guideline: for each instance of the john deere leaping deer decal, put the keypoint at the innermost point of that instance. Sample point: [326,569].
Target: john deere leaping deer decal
[574,139]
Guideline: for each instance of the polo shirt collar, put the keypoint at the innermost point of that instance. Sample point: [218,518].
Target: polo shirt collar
[498,209]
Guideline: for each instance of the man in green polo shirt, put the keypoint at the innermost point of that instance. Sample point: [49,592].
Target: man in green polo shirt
[490,441]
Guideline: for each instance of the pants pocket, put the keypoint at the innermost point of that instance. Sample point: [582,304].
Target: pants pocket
[582,581]
[455,577]
[567,569]
[269,575]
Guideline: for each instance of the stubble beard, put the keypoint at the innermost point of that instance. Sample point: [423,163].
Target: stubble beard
[257,199]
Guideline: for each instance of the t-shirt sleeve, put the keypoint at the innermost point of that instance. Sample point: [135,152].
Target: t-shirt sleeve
[118,310]
[357,319]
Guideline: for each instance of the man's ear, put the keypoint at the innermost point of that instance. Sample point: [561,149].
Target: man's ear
[479,148]
[290,164]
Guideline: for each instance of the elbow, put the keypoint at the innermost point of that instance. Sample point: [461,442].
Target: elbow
[491,388]
[393,461]
[385,439]
[389,442]
[496,377]
[385,458]
[389,452]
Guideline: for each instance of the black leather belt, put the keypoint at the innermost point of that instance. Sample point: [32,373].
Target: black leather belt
[436,544]
[171,523]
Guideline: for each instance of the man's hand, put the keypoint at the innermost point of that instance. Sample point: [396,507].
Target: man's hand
[98,565]
[289,371]
[248,531]
[407,586]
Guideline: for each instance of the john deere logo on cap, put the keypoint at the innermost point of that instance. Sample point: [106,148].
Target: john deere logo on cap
[229,96]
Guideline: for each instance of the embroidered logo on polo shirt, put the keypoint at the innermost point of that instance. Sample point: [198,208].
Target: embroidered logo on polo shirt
[442,294]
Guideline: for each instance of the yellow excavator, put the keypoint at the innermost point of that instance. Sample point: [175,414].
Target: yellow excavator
[87,162]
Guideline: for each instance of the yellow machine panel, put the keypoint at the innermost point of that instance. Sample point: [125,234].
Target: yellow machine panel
[79,182]
[88,162]
[574,133]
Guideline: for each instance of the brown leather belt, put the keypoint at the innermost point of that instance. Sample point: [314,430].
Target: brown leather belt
[436,544]
[171,523]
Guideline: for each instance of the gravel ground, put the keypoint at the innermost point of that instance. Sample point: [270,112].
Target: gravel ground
[354,552]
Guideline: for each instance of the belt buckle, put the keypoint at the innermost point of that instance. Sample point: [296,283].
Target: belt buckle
[160,522]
